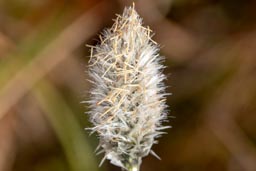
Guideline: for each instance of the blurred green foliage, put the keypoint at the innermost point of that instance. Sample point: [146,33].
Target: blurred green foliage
[209,47]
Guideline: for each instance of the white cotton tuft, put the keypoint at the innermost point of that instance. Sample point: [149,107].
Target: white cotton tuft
[127,103]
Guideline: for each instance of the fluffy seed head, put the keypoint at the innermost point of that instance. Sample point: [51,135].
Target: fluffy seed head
[127,99]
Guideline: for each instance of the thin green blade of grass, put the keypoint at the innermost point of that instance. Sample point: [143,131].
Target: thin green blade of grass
[71,135]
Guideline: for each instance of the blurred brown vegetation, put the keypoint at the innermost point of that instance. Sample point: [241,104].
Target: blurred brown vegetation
[210,52]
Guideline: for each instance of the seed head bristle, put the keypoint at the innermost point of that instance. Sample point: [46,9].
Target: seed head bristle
[127,99]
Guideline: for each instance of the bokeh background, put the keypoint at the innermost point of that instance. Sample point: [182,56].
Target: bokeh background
[210,50]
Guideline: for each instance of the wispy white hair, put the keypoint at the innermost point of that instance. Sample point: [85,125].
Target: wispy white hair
[127,103]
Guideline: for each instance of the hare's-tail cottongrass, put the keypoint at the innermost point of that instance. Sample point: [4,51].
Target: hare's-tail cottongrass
[127,103]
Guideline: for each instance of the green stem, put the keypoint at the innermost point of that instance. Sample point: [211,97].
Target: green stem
[133,168]
[132,164]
